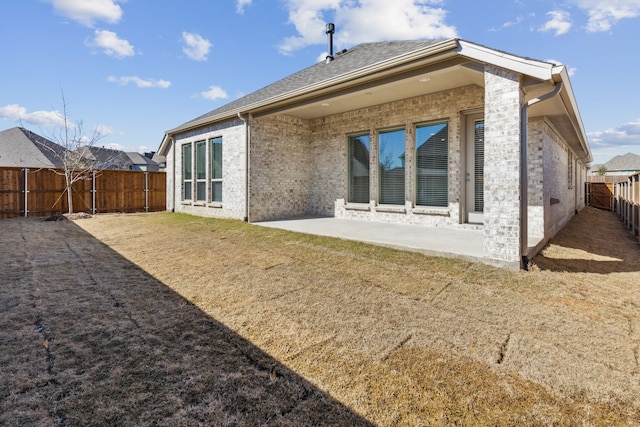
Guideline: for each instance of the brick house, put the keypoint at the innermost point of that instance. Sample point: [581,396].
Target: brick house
[427,132]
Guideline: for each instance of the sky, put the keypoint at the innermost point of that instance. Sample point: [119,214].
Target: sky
[133,69]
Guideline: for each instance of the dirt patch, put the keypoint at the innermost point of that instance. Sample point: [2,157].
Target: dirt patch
[204,315]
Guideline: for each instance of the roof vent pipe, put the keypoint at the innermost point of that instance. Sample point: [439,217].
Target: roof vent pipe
[330,30]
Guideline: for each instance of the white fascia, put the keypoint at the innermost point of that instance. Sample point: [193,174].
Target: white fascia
[530,67]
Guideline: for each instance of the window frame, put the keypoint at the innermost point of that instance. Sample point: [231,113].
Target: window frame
[200,180]
[213,181]
[187,160]
[416,147]
[381,189]
[350,168]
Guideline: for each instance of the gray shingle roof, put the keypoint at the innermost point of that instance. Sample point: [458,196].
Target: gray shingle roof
[626,162]
[362,55]
[105,158]
[20,147]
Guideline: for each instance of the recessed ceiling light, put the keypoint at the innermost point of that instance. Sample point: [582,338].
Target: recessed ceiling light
[325,104]
[424,79]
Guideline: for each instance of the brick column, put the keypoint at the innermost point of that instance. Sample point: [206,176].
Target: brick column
[503,99]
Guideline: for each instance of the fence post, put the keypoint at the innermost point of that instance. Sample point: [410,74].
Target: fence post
[26,191]
[93,192]
[628,207]
[146,191]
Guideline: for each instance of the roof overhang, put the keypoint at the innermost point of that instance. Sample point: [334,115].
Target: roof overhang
[438,67]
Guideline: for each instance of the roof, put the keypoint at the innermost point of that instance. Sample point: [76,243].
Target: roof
[139,159]
[20,147]
[625,162]
[345,62]
[106,158]
[369,65]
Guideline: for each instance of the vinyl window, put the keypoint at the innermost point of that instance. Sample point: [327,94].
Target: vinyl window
[216,169]
[432,164]
[187,172]
[391,167]
[201,171]
[358,186]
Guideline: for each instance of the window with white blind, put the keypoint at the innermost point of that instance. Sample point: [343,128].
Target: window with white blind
[187,175]
[216,169]
[391,157]
[478,138]
[201,171]
[358,187]
[432,164]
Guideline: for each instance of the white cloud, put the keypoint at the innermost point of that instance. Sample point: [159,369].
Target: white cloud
[139,82]
[16,113]
[112,45]
[196,47]
[560,22]
[241,4]
[625,135]
[105,130]
[360,21]
[603,14]
[213,93]
[87,12]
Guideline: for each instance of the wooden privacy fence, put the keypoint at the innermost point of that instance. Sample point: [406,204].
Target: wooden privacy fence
[620,195]
[41,192]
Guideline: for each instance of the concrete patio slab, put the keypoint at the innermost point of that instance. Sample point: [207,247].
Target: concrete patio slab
[457,243]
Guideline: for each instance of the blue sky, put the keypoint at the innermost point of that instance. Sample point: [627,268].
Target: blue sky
[136,68]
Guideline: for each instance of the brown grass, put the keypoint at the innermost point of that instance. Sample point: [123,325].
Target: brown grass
[184,320]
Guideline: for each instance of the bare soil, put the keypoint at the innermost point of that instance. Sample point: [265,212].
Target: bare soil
[171,319]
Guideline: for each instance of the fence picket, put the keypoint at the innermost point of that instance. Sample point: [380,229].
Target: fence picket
[41,192]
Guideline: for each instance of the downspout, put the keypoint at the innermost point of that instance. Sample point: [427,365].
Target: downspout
[173,180]
[246,173]
[524,180]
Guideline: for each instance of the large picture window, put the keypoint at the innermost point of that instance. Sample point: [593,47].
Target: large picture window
[391,157]
[432,159]
[216,169]
[187,175]
[201,171]
[359,146]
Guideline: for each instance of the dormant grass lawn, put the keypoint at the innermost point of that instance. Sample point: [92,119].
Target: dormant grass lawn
[179,320]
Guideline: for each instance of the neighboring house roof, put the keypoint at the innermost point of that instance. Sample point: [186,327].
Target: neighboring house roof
[20,147]
[627,162]
[144,161]
[382,72]
[105,158]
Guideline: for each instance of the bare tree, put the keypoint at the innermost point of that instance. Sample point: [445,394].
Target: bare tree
[74,165]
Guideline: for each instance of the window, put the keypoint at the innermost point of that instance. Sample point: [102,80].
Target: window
[216,169]
[570,169]
[391,167]
[432,164]
[478,166]
[359,146]
[201,171]
[187,176]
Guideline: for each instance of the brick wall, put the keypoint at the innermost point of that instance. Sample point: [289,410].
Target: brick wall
[279,168]
[233,172]
[502,151]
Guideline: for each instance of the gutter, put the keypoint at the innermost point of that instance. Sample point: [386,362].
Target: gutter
[524,180]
